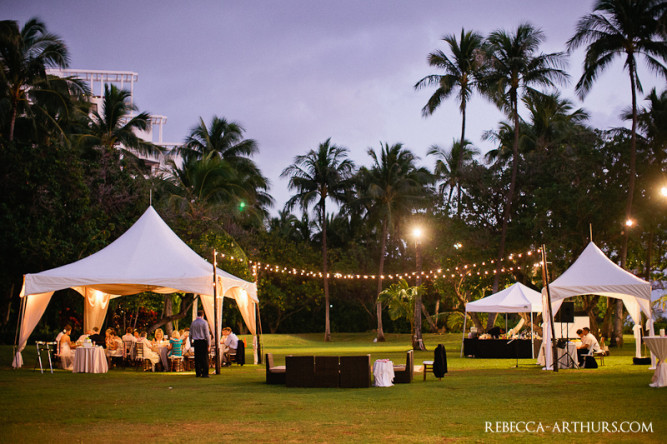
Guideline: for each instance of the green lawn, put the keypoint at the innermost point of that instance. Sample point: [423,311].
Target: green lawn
[131,406]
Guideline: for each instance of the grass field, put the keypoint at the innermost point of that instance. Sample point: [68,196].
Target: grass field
[132,406]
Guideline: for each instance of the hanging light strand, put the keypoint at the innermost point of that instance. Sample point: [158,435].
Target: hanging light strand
[485,268]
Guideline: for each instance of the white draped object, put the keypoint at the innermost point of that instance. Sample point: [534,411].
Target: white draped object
[147,257]
[594,273]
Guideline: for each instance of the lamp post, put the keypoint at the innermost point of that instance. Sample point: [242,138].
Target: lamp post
[417,341]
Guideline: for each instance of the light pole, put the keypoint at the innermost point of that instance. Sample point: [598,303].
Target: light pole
[417,341]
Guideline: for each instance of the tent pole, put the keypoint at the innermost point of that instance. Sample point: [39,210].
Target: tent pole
[18,324]
[258,320]
[463,336]
[545,278]
[216,337]
[532,337]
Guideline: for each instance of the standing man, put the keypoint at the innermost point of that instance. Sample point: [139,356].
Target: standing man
[200,339]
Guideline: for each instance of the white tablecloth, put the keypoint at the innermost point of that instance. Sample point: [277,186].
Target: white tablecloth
[383,370]
[563,362]
[658,345]
[90,360]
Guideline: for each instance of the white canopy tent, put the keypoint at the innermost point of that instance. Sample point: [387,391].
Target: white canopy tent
[147,257]
[594,273]
[516,298]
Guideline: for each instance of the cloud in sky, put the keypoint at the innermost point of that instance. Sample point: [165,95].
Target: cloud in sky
[296,72]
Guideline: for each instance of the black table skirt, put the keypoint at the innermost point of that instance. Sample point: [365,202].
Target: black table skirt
[499,348]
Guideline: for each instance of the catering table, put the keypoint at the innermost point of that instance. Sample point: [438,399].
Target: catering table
[499,348]
[563,362]
[383,370]
[658,345]
[90,360]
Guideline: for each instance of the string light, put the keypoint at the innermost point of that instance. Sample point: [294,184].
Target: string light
[458,271]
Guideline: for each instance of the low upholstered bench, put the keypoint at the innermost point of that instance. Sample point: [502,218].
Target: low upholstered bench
[403,374]
[327,371]
[275,374]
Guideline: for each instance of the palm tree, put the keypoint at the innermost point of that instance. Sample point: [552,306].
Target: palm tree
[514,64]
[25,54]
[316,176]
[551,119]
[204,187]
[653,122]
[626,28]
[449,166]
[400,299]
[461,72]
[224,140]
[115,128]
[389,190]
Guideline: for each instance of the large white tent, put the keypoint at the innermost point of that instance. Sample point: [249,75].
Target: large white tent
[147,257]
[516,298]
[594,273]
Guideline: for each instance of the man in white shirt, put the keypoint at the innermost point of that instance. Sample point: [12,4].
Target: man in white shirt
[588,343]
[129,335]
[230,342]
[589,340]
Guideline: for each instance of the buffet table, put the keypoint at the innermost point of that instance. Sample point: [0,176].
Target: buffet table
[90,360]
[499,348]
[658,346]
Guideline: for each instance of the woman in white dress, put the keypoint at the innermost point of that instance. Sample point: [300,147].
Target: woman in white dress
[67,350]
[114,346]
[160,346]
[148,352]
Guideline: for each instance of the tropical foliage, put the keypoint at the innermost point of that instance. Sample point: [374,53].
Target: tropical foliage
[73,178]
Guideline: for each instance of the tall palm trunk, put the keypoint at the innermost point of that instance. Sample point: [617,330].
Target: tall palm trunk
[617,338]
[383,249]
[325,271]
[12,122]
[459,163]
[508,203]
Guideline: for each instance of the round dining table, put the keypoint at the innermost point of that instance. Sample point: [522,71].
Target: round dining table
[383,371]
[90,360]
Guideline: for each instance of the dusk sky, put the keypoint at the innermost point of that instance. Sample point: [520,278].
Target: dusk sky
[296,72]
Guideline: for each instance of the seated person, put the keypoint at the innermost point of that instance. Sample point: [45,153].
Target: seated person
[148,353]
[158,339]
[588,343]
[495,332]
[229,343]
[66,349]
[97,338]
[188,350]
[137,336]
[84,336]
[129,335]
[175,345]
[114,345]
[60,335]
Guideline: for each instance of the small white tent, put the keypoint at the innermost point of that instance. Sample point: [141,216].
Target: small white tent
[149,256]
[594,273]
[516,298]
